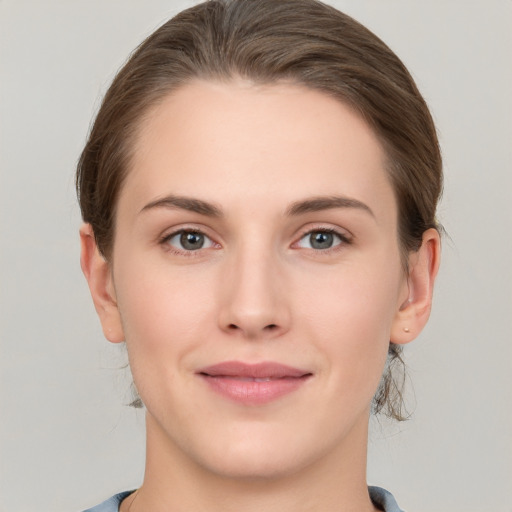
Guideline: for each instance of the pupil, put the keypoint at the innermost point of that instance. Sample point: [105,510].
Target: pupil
[321,240]
[192,241]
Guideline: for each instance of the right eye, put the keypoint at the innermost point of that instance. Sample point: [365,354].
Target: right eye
[187,240]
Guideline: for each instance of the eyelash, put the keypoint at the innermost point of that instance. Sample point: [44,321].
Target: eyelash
[344,239]
[164,241]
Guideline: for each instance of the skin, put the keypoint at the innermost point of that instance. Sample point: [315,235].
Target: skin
[258,290]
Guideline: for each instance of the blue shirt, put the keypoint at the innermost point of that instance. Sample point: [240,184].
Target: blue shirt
[379,496]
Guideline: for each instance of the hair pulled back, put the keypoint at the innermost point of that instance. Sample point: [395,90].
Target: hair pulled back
[301,41]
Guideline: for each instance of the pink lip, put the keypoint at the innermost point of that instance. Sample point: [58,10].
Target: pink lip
[253,384]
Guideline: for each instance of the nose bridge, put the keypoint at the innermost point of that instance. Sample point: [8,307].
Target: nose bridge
[254,300]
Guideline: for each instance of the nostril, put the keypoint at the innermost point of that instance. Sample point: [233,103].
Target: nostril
[269,328]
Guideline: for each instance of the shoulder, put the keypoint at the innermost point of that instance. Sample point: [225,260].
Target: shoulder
[384,499]
[110,505]
[379,496]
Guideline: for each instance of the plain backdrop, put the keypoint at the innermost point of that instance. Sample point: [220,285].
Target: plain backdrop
[67,439]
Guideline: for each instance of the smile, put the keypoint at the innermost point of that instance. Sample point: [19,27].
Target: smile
[253,384]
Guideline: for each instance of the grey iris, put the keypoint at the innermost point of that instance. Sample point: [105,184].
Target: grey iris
[321,240]
[192,241]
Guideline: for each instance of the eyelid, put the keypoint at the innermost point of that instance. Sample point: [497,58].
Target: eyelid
[168,235]
[344,235]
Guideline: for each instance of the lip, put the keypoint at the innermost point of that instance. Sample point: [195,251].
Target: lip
[253,384]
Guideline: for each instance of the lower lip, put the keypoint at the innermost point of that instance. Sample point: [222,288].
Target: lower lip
[250,392]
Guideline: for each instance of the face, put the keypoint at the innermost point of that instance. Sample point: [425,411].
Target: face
[257,275]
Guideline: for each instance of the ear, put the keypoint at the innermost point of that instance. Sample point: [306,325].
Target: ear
[416,302]
[98,273]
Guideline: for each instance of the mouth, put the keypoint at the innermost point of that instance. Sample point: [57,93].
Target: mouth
[253,384]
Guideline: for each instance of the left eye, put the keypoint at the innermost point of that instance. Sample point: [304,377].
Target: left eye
[320,240]
[189,240]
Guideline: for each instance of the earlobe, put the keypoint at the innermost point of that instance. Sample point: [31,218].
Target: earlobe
[414,311]
[98,273]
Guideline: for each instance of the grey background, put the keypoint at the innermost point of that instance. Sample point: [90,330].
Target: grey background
[66,439]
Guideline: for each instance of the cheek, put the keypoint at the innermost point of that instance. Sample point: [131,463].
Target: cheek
[351,323]
[357,299]
[165,316]
[163,312]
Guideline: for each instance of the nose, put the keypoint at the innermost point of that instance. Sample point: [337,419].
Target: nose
[253,302]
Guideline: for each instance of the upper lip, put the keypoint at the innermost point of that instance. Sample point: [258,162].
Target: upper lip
[263,370]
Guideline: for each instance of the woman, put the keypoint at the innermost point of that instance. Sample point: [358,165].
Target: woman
[258,194]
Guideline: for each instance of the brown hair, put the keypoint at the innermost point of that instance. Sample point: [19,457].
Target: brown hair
[301,41]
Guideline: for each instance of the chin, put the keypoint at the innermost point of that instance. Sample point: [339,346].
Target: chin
[257,464]
[260,452]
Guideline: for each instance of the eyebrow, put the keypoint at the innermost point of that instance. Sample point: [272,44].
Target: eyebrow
[185,203]
[316,204]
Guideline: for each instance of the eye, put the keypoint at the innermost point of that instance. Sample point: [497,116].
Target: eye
[321,239]
[185,240]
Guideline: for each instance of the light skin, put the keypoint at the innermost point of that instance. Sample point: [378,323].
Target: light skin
[286,190]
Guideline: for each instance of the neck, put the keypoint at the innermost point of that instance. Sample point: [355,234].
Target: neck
[173,482]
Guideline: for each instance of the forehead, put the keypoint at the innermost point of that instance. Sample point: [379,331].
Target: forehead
[210,138]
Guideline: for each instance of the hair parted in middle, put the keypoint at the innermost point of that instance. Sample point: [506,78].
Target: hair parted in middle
[303,42]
